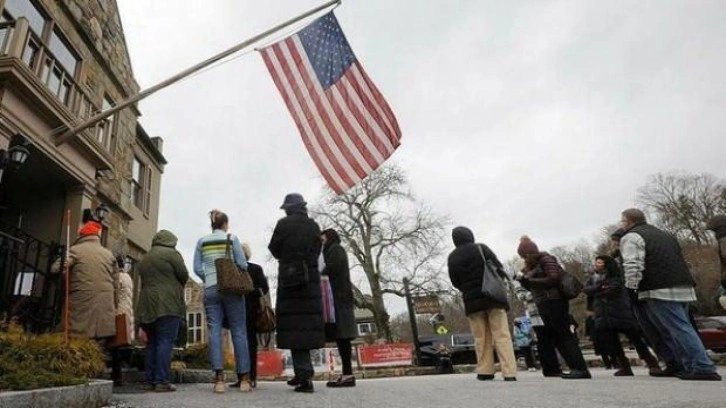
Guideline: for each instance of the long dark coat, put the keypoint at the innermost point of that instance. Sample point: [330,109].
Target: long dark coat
[611,303]
[466,269]
[337,269]
[299,309]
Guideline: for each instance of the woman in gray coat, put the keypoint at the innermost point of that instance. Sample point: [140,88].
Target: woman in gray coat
[338,271]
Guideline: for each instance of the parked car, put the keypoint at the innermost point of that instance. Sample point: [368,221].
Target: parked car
[460,346]
[712,330]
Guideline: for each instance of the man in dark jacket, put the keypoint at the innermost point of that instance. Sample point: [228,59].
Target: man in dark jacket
[295,243]
[656,271]
[487,316]
[717,224]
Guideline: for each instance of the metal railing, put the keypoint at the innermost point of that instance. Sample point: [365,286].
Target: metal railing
[31,289]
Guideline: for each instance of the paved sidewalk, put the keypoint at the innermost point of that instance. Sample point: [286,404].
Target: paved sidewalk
[532,390]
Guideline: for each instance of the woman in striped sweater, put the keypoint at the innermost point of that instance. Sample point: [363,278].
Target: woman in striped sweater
[218,306]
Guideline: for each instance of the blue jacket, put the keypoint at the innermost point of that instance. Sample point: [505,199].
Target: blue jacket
[522,338]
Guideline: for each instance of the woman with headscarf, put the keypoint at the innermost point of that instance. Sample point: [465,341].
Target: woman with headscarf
[218,306]
[541,276]
[295,243]
[253,305]
[338,271]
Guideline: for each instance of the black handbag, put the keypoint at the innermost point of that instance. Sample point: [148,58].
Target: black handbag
[492,283]
[293,274]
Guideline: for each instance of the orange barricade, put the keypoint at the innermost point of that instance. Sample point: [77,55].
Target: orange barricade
[269,363]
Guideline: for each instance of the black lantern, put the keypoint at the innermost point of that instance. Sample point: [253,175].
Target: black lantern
[101,212]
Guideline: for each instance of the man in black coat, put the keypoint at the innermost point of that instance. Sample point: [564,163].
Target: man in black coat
[295,243]
[487,316]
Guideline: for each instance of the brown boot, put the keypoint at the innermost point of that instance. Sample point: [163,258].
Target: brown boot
[219,382]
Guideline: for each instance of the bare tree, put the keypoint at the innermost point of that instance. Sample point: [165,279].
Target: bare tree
[684,202]
[391,236]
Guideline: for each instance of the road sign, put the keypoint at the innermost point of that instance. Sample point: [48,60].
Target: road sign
[441,329]
[428,304]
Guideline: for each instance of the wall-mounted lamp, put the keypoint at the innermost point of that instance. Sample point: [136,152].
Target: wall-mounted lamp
[15,156]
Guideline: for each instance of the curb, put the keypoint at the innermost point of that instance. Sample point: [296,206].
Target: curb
[93,394]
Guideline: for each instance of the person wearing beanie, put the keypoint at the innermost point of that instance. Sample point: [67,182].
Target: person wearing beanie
[487,316]
[296,245]
[92,270]
[541,276]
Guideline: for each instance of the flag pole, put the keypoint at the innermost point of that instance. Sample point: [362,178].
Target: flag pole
[71,132]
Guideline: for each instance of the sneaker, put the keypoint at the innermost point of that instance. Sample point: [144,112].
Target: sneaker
[342,381]
[510,378]
[165,388]
[485,377]
[668,372]
[577,375]
[531,369]
[700,377]
[219,387]
[147,387]
[305,386]
[245,384]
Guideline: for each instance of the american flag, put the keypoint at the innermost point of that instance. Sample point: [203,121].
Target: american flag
[346,125]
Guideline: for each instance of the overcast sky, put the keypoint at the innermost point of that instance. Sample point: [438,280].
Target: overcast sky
[517,117]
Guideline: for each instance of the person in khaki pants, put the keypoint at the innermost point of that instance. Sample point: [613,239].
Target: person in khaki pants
[487,317]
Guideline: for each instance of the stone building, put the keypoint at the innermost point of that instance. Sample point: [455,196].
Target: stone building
[196,321]
[61,61]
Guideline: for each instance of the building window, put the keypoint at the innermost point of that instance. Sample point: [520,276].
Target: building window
[365,329]
[195,331]
[26,8]
[57,68]
[106,130]
[142,177]
[187,295]
[136,180]
[147,190]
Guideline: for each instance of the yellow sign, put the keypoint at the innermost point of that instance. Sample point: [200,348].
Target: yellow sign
[441,329]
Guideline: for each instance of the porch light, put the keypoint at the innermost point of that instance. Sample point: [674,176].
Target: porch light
[101,212]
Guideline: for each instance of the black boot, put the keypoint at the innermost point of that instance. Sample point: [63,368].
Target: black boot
[305,386]
[625,370]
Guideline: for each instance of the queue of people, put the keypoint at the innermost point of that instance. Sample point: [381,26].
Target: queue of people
[642,290]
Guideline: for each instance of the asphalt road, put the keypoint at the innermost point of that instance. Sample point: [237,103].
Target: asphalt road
[531,390]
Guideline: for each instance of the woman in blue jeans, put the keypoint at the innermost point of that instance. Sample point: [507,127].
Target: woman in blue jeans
[161,307]
[218,306]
